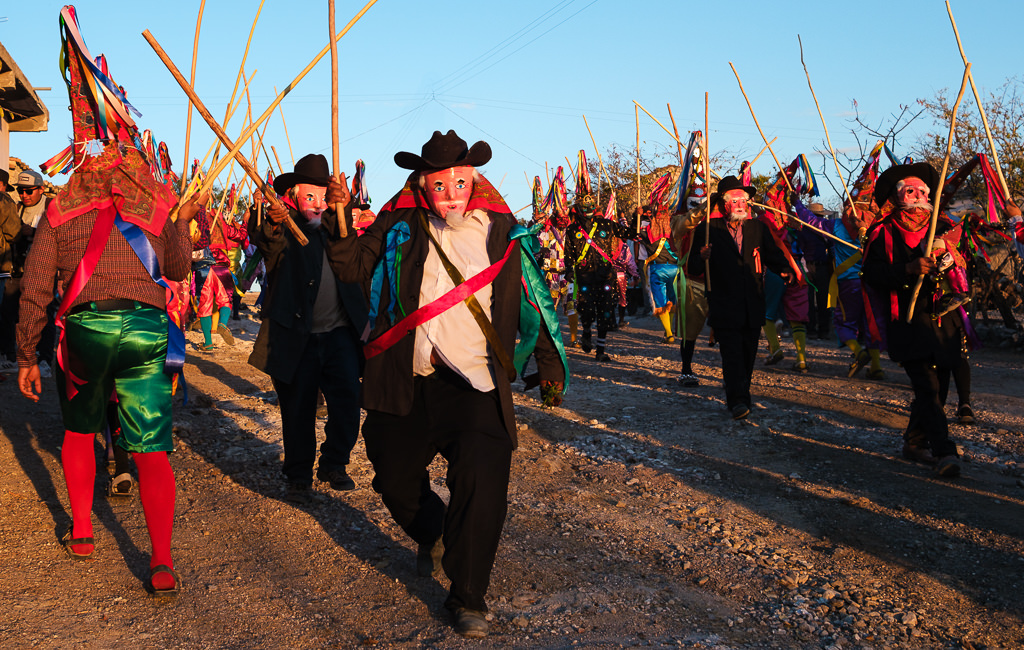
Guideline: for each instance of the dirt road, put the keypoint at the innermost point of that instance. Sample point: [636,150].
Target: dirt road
[640,514]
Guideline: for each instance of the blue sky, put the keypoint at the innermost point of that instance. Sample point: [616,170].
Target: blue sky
[520,75]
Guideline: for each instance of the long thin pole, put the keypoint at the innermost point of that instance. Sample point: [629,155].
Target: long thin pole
[759,153]
[600,162]
[637,112]
[571,172]
[781,170]
[938,192]
[981,109]
[280,167]
[280,109]
[192,82]
[675,132]
[678,141]
[339,209]
[244,137]
[828,140]
[814,228]
[240,75]
[233,147]
[707,186]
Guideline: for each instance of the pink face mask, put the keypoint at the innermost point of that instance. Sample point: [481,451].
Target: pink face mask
[309,200]
[448,191]
[736,205]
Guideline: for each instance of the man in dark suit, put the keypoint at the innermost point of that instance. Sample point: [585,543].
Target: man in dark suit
[309,338]
[445,268]
[739,250]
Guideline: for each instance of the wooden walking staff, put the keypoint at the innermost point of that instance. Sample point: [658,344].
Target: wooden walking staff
[707,198]
[828,140]
[339,209]
[938,192]
[188,121]
[235,150]
[981,109]
[600,162]
[781,168]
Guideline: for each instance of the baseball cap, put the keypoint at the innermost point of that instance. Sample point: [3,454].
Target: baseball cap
[29,178]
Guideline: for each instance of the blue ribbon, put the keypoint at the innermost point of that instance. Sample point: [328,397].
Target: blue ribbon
[398,235]
[174,364]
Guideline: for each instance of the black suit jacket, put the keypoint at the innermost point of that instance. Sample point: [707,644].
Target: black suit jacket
[923,338]
[736,299]
[292,283]
[388,377]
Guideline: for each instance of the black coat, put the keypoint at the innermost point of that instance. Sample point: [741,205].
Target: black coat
[736,299]
[291,286]
[923,338]
[388,377]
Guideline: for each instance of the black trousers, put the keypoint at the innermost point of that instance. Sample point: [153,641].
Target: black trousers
[738,347]
[818,312]
[330,363]
[465,426]
[596,300]
[927,425]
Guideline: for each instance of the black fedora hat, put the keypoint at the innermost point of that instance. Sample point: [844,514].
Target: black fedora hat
[444,151]
[311,169]
[887,180]
[732,183]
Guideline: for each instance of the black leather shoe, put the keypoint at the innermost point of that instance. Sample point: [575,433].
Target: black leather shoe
[428,559]
[918,454]
[740,411]
[337,478]
[298,493]
[948,467]
[471,623]
[965,414]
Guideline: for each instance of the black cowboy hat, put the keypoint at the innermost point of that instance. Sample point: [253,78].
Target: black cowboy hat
[311,169]
[887,180]
[444,151]
[732,183]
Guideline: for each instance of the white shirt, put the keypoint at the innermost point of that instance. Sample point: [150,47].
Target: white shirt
[455,334]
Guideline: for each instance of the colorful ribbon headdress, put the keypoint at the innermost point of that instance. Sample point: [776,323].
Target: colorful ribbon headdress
[359,191]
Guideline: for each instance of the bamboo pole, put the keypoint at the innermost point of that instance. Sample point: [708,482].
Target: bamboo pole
[636,112]
[280,109]
[981,109]
[675,132]
[571,173]
[192,82]
[279,165]
[234,148]
[707,193]
[938,192]
[339,209]
[781,169]
[600,162]
[678,141]
[814,228]
[828,140]
[244,137]
[763,149]
[240,75]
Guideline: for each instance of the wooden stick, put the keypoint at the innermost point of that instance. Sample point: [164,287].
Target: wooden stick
[339,209]
[600,162]
[678,141]
[235,148]
[547,174]
[240,75]
[244,137]
[636,112]
[571,173]
[188,121]
[763,149]
[828,140]
[280,167]
[814,228]
[981,109]
[280,109]
[781,169]
[938,192]
[707,186]
[675,131]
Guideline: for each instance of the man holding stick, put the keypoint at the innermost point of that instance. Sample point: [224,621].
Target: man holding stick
[309,336]
[739,249]
[454,285]
[929,345]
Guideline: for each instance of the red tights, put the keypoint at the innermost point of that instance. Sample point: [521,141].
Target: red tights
[156,490]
